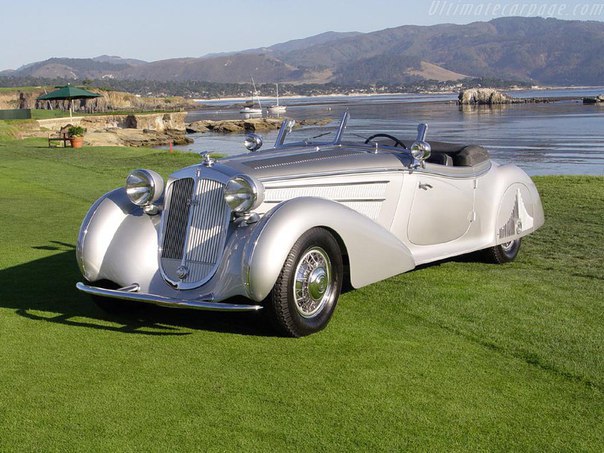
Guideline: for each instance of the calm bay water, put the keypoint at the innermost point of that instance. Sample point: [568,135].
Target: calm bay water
[564,137]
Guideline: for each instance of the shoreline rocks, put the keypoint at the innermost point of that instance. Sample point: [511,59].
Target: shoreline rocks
[154,129]
[136,137]
[247,125]
[161,129]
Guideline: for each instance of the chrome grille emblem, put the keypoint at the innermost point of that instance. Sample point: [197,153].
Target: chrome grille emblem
[182,272]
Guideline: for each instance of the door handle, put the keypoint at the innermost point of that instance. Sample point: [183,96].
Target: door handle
[425,186]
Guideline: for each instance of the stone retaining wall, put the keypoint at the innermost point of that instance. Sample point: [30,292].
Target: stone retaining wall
[159,122]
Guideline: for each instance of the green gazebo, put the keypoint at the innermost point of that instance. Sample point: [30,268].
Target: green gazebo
[70,93]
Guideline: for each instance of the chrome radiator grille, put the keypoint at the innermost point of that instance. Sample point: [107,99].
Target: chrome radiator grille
[178,218]
[194,231]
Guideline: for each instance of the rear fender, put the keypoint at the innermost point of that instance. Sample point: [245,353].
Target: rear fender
[509,205]
[520,212]
[374,253]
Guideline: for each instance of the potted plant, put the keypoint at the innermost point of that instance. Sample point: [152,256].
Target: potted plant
[76,136]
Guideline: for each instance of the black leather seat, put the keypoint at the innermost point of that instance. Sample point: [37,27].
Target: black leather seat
[440,158]
[462,155]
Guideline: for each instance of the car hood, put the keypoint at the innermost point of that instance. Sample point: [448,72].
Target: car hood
[311,160]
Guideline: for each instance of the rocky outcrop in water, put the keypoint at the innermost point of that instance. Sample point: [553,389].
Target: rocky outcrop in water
[491,96]
[483,96]
[597,100]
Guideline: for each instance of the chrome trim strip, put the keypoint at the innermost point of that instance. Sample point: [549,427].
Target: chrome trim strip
[331,184]
[339,200]
[127,294]
[331,173]
[469,175]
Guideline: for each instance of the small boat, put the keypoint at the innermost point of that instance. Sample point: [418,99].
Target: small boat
[250,109]
[276,108]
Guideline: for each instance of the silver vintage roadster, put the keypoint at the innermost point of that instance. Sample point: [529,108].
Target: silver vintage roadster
[286,227]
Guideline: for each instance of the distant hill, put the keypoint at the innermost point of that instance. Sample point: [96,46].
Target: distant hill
[75,68]
[118,60]
[545,51]
[300,44]
[229,69]
[542,50]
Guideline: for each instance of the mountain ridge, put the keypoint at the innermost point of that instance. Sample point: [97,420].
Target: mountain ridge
[545,51]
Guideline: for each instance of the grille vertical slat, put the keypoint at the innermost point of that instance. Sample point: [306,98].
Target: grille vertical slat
[199,212]
[205,243]
[176,226]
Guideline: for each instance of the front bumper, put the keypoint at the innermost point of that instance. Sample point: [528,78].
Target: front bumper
[131,293]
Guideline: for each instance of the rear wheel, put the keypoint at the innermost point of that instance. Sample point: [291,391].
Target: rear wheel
[307,290]
[503,253]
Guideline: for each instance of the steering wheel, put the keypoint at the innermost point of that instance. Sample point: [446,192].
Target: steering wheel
[391,137]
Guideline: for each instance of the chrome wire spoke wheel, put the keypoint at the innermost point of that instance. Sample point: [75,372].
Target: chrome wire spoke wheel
[312,282]
[306,292]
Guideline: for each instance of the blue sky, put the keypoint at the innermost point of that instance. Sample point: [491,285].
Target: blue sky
[152,30]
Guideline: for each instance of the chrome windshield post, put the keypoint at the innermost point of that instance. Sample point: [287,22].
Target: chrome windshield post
[338,138]
[422,130]
[421,149]
[286,128]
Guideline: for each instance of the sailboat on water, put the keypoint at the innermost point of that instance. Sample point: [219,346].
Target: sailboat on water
[276,108]
[250,109]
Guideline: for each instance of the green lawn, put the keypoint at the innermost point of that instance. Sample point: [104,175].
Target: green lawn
[454,356]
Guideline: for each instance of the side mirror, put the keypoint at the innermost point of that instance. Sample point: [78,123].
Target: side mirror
[253,142]
[420,149]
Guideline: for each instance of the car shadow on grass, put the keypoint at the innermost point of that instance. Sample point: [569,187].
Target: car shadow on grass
[44,290]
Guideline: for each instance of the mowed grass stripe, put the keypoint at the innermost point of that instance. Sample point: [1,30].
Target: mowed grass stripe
[454,356]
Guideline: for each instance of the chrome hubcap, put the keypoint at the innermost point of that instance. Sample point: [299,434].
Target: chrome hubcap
[312,282]
[317,283]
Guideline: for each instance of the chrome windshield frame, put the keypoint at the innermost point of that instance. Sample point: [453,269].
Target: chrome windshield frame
[287,125]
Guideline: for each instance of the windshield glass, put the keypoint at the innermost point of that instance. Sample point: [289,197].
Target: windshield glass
[289,135]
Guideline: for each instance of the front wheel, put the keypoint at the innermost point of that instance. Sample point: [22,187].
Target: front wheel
[307,289]
[503,253]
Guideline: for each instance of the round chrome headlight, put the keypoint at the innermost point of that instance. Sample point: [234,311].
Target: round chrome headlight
[253,142]
[144,187]
[421,150]
[243,194]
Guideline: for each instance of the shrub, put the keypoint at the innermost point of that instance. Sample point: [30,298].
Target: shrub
[76,131]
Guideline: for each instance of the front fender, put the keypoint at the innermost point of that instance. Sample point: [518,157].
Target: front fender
[118,242]
[374,253]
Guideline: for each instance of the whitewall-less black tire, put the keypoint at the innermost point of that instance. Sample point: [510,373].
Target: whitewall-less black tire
[308,287]
[503,253]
